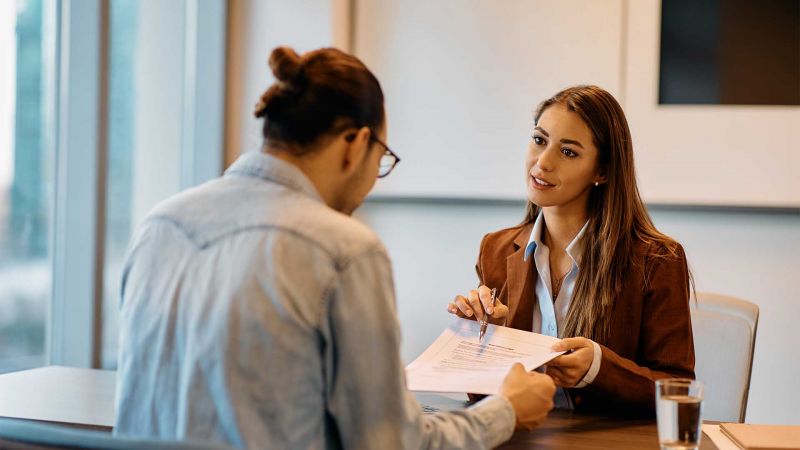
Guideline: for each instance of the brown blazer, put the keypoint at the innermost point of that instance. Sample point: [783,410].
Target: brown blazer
[650,335]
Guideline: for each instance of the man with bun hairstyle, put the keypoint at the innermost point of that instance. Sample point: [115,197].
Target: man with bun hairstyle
[257,313]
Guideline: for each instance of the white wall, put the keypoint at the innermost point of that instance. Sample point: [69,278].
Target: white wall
[462,77]
[255,28]
[754,256]
[434,245]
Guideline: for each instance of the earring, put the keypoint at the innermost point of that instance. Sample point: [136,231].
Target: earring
[597,183]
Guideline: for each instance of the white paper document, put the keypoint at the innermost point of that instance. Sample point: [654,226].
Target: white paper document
[457,362]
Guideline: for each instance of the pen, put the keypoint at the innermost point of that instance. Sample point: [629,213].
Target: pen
[485,320]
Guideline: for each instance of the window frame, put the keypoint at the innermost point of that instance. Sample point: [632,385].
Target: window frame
[74,328]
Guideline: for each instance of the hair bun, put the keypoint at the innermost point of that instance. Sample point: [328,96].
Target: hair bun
[284,63]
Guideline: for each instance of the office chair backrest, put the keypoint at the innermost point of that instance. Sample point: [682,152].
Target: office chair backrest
[16,434]
[724,340]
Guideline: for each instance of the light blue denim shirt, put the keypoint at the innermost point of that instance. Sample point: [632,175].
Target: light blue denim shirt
[255,315]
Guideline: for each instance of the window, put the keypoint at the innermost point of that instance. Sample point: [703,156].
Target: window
[164,99]
[26,182]
[123,32]
[106,108]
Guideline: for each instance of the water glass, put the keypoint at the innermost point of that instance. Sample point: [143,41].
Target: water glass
[679,404]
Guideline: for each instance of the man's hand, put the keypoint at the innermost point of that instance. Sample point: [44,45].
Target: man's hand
[530,394]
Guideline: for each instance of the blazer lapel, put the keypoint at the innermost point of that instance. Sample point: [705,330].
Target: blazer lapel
[521,282]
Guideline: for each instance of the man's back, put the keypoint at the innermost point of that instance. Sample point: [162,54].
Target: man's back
[253,314]
[224,310]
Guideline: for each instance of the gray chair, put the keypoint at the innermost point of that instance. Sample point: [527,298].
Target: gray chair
[16,434]
[724,339]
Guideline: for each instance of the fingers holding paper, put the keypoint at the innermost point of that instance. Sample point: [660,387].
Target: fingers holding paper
[530,394]
[477,304]
[569,369]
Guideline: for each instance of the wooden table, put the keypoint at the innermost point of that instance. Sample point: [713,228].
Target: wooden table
[567,430]
[66,395]
[85,398]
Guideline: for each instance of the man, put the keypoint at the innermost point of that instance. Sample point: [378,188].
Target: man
[256,312]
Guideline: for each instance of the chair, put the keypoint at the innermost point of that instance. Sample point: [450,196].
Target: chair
[16,434]
[724,340]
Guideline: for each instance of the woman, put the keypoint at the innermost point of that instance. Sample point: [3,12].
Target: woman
[587,264]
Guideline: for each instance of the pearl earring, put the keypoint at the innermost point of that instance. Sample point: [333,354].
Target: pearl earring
[597,183]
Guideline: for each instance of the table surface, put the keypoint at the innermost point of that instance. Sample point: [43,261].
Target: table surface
[562,429]
[67,395]
[85,398]
[567,430]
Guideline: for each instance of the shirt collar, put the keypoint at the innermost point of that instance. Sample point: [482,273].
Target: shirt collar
[267,167]
[536,234]
[574,249]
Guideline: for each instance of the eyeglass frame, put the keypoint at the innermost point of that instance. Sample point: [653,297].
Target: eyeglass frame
[386,152]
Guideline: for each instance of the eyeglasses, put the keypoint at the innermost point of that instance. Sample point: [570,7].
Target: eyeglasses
[388,160]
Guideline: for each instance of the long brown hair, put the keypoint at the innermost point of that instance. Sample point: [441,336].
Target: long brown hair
[618,219]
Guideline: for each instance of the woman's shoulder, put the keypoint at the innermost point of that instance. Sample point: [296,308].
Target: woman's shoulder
[501,243]
[508,236]
[663,261]
[664,248]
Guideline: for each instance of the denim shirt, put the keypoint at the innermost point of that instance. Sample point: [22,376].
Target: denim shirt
[253,314]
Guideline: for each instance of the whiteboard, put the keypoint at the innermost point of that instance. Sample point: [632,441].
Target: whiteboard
[463,77]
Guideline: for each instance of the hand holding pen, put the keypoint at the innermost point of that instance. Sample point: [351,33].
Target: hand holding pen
[478,304]
[485,319]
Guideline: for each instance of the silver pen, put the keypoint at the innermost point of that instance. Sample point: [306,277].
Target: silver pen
[485,321]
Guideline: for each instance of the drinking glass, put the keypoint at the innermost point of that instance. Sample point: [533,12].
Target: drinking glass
[679,404]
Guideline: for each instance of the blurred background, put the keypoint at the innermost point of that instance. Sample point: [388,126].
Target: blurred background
[109,106]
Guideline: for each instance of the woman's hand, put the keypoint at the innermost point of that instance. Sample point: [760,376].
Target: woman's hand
[478,304]
[569,369]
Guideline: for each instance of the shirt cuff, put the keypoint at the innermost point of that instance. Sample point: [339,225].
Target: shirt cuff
[594,368]
[498,416]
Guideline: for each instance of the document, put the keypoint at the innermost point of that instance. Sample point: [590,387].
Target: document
[457,362]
